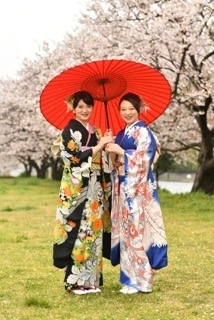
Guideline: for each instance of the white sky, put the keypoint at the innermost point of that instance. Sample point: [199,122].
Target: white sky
[25,24]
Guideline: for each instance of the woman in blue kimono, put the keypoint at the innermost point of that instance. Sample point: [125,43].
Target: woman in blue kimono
[138,236]
[82,213]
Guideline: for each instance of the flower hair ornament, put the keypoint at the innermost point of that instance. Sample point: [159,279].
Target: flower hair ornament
[70,103]
[143,107]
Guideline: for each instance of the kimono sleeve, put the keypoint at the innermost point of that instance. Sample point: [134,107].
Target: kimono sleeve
[137,162]
[71,147]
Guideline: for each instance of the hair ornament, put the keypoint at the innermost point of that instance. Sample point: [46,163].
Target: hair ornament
[143,106]
[70,103]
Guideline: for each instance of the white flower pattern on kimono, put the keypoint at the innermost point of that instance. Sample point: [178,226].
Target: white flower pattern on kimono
[77,136]
[98,246]
[97,190]
[82,171]
[90,273]
[67,228]
[76,276]
[65,155]
[61,215]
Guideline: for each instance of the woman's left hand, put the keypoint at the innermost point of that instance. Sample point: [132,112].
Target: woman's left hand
[113,147]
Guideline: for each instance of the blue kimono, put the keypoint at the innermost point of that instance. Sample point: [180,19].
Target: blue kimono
[138,236]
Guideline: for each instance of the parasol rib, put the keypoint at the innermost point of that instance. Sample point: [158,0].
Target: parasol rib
[102,82]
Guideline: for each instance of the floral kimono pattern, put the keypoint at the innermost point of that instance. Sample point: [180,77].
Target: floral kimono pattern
[83,207]
[138,236]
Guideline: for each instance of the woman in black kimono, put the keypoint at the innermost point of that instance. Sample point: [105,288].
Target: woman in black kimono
[82,213]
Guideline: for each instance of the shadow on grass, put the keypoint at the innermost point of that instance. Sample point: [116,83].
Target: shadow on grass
[34,302]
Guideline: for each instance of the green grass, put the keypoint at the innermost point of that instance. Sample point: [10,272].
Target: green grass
[31,288]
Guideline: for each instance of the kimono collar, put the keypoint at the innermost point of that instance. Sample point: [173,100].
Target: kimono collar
[127,129]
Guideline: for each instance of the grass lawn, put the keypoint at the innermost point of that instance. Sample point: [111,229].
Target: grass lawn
[32,288]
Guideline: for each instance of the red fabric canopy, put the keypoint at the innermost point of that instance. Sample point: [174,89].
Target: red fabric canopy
[107,81]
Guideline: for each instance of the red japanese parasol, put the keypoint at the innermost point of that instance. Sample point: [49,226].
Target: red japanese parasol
[106,81]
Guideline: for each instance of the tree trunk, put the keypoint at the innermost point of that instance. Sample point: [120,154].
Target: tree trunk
[28,167]
[204,179]
[56,168]
[41,171]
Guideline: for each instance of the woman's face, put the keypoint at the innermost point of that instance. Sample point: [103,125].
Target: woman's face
[128,113]
[83,112]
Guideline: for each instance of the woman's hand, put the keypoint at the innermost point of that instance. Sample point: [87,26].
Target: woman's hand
[104,140]
[113,147]
[101,144]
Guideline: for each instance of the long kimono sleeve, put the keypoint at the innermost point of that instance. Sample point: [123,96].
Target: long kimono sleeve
[71,148]
[137,162]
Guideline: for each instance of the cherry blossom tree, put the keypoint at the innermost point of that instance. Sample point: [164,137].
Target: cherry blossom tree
[25,132]
[25,135]
[175,37]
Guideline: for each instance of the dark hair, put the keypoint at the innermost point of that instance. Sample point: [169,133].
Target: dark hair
[134,99]
[75,98]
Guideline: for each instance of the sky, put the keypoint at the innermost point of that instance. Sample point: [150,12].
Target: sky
[25,24]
